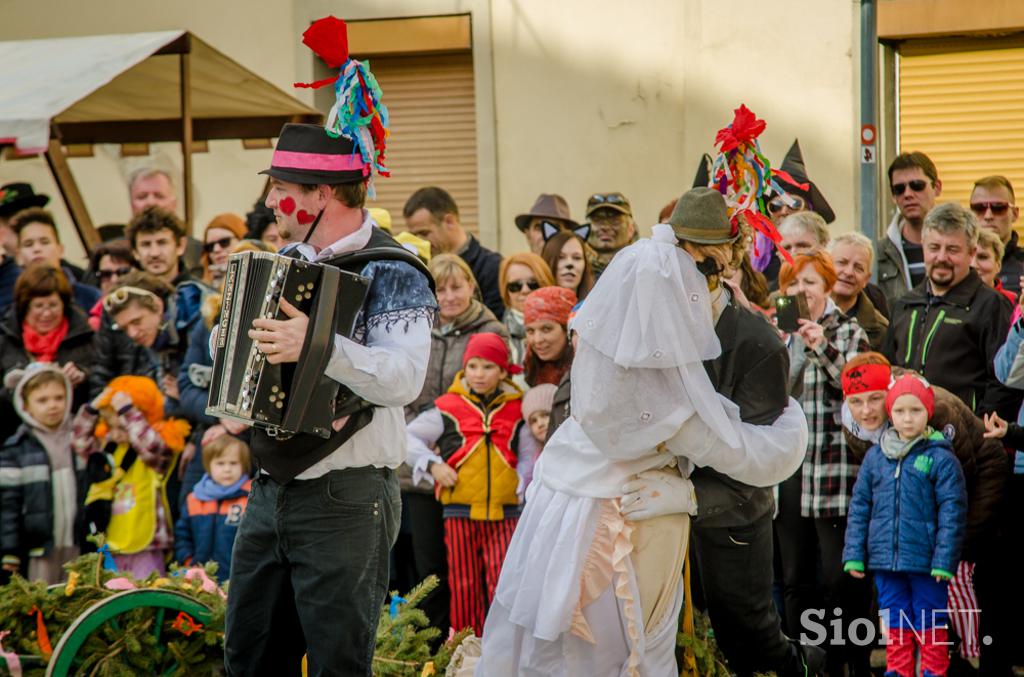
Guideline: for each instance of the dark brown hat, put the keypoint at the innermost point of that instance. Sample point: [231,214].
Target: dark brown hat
[701,216]
[547,206]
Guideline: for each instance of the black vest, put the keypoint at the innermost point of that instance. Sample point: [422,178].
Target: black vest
[283,459]
[752,372]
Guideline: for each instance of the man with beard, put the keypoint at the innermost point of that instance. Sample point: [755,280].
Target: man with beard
[611,228]
[950,326]
[151,186]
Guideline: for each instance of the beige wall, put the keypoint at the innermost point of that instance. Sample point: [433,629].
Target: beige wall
[574,96]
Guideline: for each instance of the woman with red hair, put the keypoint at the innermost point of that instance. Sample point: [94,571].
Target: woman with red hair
[813,503]
[519,275]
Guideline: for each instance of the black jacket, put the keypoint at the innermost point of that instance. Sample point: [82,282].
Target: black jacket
[27,503]
[484,263]
[560,409]
[1013,265]
[871,319]
[76,347]
[752,371]
[952,341]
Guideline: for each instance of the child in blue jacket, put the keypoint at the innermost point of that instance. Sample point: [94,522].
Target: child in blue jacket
[906,524]
[207,527]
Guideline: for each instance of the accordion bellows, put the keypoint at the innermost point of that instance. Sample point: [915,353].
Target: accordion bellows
[281,399]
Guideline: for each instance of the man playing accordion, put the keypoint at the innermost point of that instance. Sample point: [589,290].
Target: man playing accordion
[310,565]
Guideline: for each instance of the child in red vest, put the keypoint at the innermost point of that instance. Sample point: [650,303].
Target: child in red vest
[476,429]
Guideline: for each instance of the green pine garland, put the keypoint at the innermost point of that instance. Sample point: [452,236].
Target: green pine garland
[403,641]
[128,648]
[132,648]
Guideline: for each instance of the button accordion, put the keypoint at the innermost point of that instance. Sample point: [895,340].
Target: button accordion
[281,399]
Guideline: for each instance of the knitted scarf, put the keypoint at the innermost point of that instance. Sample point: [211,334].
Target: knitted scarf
[44,347]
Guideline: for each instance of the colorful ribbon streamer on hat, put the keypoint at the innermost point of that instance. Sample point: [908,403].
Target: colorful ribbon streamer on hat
[743,175]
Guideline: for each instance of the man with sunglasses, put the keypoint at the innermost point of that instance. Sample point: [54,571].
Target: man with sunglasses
[612,228]
[992,202]
[915,186]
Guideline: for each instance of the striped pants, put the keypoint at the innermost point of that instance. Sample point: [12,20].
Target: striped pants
[963,606]
[476,549]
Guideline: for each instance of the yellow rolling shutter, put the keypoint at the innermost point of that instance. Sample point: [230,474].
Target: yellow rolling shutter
[962,104]
[433,131]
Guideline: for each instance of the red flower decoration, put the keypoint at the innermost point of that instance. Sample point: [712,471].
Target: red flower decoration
[186,625]
[744,129]
[328,38]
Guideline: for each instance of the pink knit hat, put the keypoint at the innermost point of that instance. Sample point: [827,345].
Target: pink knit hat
[538,398]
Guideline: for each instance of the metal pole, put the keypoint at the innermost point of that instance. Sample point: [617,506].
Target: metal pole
[868,145]
[186,136]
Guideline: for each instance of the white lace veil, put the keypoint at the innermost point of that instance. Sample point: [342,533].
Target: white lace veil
[645,330]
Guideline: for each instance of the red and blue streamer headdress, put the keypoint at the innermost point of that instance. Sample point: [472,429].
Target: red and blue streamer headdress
[358,113]
[743,175]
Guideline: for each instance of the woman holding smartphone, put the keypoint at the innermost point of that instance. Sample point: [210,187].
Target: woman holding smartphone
[813,502]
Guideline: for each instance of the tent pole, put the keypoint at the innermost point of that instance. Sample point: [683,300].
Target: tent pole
[186,136]
[58,163]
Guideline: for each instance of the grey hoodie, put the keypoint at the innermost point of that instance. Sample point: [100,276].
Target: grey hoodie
[57,444]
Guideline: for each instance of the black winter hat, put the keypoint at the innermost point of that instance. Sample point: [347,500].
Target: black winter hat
[793,165]
[17,196]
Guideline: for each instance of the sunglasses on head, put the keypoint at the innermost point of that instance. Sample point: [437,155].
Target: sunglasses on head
[917,185]
[223,243]
[516,286]
[998,208]
[108,274]
[601,198]
[793,202]
[120,296]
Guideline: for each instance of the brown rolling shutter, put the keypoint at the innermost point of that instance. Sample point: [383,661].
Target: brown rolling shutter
[433,131]
[963,106]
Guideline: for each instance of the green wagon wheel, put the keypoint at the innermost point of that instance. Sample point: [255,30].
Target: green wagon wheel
[65,654]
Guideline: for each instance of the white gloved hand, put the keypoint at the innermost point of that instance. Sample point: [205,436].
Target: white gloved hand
[654,493]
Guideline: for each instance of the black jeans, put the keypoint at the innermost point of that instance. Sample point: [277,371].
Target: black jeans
[811,547]
[310,573]
[430,555]
[736,574]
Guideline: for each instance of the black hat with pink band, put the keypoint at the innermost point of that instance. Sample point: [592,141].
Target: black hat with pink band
[306,155]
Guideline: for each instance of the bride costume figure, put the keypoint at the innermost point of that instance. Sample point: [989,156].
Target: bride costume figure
[592,585]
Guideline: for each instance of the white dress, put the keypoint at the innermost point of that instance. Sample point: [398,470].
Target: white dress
[569,600]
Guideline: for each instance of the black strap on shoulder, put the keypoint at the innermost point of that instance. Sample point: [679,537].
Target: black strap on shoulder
[381,247]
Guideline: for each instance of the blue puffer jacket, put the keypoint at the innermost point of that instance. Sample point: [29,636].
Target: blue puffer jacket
[908,515]
[206,530]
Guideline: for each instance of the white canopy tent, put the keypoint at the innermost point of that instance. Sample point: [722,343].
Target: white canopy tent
[133,88]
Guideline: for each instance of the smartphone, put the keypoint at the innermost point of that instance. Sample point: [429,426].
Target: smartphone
[789,309]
